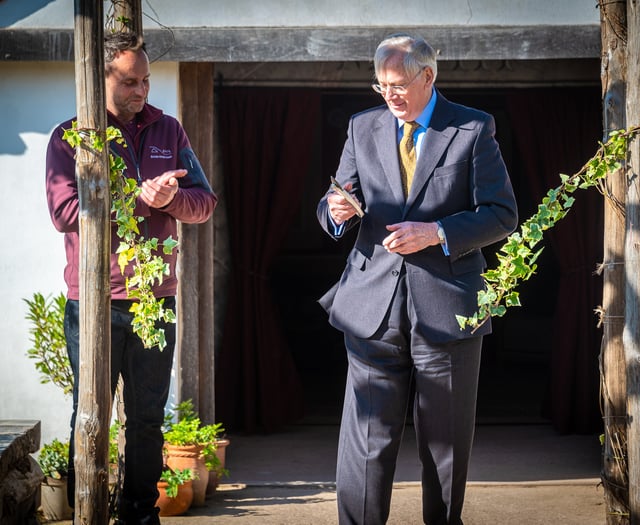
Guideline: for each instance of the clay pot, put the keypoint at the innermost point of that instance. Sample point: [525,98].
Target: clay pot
[190,456]
[53,498]
[178,505]
[214,479]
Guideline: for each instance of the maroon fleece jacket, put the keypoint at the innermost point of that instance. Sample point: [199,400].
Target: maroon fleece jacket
[155,143]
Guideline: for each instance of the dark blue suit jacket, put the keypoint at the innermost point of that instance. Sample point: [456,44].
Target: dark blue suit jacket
[460,180]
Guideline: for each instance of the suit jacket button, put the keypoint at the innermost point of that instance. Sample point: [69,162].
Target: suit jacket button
[395,273]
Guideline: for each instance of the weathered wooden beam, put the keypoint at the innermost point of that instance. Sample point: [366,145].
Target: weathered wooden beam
[125,16]
[359,75]
[18,438]
[613,370]
[92,173]
[310,44]
[631,336]
[20,475]
[195,292]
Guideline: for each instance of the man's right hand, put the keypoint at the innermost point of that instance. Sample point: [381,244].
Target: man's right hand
[159,191]
[339,207]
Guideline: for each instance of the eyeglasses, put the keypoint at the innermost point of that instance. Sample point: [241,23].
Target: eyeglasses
[395,90]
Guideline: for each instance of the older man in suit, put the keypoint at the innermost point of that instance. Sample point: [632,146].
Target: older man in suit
[431,180]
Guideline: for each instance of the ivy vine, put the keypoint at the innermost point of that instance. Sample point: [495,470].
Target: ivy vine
[517,257]
[148,266]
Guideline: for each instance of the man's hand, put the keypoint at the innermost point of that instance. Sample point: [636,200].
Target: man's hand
[410,237]
[159,191]
[339,208]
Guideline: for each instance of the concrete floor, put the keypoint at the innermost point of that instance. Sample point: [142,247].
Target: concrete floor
[501,453]
[524,474]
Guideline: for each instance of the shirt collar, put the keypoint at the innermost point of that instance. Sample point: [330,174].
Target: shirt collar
[424,119]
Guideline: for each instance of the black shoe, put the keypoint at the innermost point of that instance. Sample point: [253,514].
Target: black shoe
[139,517]
[147,520]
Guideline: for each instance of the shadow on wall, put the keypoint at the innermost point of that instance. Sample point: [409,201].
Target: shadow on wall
[12,11]
[22,103]
[34,97]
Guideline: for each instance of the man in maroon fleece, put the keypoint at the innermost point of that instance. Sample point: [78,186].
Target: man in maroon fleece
[174,188]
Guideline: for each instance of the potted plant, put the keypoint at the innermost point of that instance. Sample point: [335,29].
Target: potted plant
[190,444]
[49,350]
[176,491]
[53,459]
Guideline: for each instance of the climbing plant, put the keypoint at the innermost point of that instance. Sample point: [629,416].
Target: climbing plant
[148,265]
[114,20]
[517,257]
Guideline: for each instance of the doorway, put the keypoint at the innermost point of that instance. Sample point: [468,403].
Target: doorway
[517,371]
[515,356]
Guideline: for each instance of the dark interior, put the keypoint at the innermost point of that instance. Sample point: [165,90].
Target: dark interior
[515,359]
[530,370]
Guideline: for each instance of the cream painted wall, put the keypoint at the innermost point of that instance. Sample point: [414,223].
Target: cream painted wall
[34,98]
[303,13]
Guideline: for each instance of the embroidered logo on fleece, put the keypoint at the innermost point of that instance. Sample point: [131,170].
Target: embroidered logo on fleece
[159,153]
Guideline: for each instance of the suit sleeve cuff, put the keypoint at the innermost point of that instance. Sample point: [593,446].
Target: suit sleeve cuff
[445,246]
[338,230]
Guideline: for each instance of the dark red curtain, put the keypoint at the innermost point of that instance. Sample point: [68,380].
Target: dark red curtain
[266,137]
[557,131]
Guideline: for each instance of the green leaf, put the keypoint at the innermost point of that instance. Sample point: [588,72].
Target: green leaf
[49,350]
[516,260]
[134,249]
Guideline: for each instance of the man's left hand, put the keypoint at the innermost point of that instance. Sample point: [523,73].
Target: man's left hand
[159,191]
[410,237]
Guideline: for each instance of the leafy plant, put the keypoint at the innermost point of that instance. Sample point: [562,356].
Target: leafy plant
[114,455]
[148,266]
[187,429]
[517,257]
[54,459]
[175,478]
[49,348]
[115,23]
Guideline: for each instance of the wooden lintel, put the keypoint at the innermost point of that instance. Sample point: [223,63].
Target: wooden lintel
[304,44]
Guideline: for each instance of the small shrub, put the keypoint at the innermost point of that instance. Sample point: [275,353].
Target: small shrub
[54,459]
[175,478]
[49,349]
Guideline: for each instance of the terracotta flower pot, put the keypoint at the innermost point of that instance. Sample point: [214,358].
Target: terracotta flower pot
[180,457]
[214,479]
[178,505]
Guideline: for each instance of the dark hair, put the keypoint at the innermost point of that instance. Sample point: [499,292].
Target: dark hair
[116,43]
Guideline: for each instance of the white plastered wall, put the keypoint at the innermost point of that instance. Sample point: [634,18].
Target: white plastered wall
[34,98]
[328,13]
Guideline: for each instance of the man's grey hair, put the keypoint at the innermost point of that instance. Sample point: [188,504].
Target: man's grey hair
[416,51]
[116,43]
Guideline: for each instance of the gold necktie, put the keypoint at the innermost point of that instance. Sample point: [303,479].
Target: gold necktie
[408,155]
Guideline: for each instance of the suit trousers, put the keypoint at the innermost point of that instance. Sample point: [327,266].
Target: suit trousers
[383,373]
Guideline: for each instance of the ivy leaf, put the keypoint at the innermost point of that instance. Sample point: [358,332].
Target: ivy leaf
[516,261]
[169,245]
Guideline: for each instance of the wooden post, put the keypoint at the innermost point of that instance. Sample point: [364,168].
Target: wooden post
[195,292]
[632,256]
[127,16]
[94,404]
[612,363]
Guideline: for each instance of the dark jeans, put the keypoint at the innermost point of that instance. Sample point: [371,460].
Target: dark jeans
[146,375]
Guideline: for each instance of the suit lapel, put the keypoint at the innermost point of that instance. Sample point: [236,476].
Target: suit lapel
[385,137]
[435,143]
